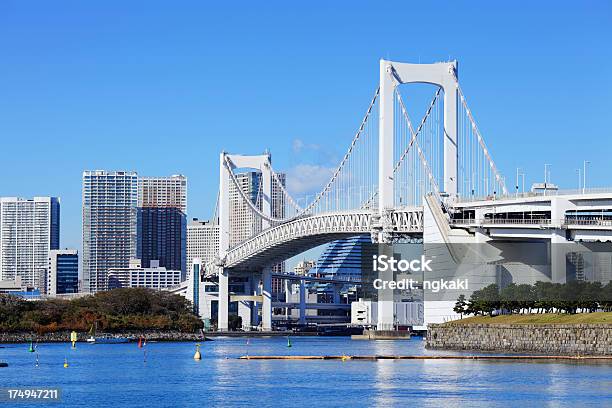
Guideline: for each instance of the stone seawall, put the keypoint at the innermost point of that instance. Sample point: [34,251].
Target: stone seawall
[560,339]
[59,337]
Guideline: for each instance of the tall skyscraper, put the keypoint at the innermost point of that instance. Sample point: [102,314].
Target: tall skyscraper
[162,223]
[63,274]
[110,200]
[202,241]
[243,222]
[163,192]
[29,229]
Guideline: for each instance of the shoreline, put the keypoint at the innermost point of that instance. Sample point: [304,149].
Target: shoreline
[149,335]
[551,339]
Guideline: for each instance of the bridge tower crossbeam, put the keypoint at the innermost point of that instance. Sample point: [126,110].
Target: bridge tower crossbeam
[393,74]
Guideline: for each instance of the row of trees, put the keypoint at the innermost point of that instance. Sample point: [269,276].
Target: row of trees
[542,297]
[112,311]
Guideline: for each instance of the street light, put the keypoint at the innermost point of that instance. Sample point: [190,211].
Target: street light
[517,180]
[546,166]
[584,165]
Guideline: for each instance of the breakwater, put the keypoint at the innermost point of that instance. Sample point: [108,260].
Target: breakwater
[64,336]
[150,335]
[558,339]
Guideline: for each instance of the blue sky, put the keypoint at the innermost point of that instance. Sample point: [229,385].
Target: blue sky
[163,87]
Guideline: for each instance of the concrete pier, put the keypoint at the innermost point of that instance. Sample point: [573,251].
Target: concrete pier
[382,335]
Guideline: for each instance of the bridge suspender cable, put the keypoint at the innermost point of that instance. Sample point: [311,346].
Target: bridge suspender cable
[498,176]
[432,180]
[253,207]
[413,139]
[327,187]
[283,190]
[321,194]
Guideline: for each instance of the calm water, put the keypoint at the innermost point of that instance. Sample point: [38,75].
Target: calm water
[104,375]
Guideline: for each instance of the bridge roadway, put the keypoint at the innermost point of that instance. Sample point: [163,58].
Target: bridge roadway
[561,211]
[558,218]
[296,236]
[293,277]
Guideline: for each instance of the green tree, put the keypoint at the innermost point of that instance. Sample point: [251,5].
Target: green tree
[460,306]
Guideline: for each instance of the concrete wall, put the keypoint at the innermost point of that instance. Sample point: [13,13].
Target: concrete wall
[557,339]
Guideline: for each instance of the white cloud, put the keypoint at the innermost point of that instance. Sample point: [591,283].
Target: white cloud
[299,146]
[306,179]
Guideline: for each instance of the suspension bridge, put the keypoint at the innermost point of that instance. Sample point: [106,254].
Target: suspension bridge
[433,179]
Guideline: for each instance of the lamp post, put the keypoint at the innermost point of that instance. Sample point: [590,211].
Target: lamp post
[517,181]
[546,166]
[584,168]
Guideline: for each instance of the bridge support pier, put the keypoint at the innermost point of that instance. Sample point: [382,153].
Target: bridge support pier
[558,256]
[266,292]
[256,305]
[386,318]
[302,302]
[223,317]
[244,311]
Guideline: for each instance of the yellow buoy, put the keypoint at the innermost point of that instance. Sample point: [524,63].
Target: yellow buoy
[73,338]
[197,355]
[65,363]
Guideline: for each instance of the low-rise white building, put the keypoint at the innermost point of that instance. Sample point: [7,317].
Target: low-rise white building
[135,276]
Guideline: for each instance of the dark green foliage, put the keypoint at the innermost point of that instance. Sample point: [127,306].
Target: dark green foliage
[115,310]
[460,306]
[234,322]
[542,297]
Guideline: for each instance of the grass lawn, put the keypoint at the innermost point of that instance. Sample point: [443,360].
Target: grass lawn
[545,318]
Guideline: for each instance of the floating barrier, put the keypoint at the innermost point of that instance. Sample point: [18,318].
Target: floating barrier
[459,357]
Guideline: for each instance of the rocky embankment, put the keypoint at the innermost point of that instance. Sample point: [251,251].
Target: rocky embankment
[58,337]
[551,339]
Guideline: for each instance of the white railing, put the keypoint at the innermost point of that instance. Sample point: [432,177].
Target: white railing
[568,221]
[489,221]
[596,221]
[530,194]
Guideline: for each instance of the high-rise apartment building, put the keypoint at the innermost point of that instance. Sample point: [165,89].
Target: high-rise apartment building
[163,192]
[63,274]
[243,222]
[202,241]
[29,229]
[162,229]
[110,200]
